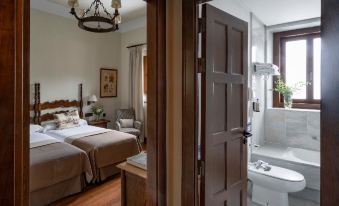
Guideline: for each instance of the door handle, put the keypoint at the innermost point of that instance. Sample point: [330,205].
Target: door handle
[246,136]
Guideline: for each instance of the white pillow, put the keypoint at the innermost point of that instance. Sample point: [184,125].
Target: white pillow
[49,126]
[35,128]
[82,122]
[127,123]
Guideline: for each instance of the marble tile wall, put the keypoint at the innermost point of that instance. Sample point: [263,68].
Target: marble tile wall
[293,128]
[257,83]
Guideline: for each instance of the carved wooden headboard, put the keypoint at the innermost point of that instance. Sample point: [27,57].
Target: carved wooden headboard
[38,107]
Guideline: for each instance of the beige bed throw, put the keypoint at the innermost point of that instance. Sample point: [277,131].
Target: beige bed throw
[55,163]
[106,149]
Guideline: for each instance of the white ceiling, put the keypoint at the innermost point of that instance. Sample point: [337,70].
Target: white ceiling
[273,12]
[131,9]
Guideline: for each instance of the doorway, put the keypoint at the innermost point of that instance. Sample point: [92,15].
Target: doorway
[190,69]
[15,36]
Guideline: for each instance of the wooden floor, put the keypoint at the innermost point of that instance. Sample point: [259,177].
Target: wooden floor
[105,194]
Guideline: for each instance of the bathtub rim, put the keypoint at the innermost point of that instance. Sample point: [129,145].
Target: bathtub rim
[284,148]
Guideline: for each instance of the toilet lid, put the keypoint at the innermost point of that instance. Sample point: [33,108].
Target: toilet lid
[279,173]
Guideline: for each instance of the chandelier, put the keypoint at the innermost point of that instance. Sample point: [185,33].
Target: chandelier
[96,18]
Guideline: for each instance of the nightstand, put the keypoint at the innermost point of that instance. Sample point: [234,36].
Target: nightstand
[100,123]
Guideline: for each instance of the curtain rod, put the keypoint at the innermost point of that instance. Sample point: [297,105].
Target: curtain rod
[136,45]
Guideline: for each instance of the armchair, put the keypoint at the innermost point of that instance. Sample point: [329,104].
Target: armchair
[128,114]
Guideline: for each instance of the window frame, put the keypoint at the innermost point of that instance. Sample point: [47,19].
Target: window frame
[279,41]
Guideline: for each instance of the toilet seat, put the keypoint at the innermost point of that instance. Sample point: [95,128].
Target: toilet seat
[272,187]
[279,173]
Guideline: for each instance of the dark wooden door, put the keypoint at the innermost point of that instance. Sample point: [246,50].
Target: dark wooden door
[224,109]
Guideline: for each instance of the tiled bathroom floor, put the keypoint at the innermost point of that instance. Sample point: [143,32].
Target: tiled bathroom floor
[293,202]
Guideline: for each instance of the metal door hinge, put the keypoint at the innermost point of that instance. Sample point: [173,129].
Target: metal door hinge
[201,65]
[201,25]
[201,168]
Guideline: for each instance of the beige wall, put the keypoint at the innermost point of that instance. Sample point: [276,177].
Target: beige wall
[138,36]
[174,102]
[63,56]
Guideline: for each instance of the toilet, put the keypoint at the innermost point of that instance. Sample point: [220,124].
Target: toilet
[271,188]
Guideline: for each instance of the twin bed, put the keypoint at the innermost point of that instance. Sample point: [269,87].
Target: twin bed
[105,148]
[64,161]
[57,169]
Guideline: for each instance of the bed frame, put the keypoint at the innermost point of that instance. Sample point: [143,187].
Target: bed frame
[38,107]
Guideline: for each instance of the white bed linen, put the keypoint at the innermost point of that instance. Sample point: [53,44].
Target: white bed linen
[35,128]
[76,132]
[39,139]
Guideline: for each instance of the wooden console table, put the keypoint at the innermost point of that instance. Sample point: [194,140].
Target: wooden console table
[133,185]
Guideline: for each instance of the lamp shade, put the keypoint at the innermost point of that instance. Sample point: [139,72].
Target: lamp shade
[73,3]
[93,98]
[116,4]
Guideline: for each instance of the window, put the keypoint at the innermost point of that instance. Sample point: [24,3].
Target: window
[298,54]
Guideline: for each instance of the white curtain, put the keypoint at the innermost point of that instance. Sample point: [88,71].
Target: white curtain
[137,86]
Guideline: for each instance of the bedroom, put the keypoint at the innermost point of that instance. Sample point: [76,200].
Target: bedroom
[69,68]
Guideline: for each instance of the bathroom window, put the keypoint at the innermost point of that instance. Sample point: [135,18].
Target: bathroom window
[298,54]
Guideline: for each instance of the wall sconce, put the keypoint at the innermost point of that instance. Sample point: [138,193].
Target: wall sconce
[92,99]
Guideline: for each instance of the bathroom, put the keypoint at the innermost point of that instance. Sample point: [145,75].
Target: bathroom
[287,139]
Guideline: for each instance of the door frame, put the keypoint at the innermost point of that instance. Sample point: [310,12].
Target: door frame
[14,103]
[329,187]
[189,183]
[15,87]
[156,100]
[329,141]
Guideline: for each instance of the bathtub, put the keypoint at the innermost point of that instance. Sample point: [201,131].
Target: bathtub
[303,156]
[306,162]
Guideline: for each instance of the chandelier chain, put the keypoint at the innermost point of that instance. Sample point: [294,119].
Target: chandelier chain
[105,10]
[89,9]
[96,9]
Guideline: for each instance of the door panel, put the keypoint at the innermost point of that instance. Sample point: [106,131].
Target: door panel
[224,109]
[220,110]
[220,34]
[237,50]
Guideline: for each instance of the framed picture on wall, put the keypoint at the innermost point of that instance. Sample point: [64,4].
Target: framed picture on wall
[108,83]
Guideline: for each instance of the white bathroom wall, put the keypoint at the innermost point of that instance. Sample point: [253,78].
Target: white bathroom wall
[258,44]
[293,128]
[234,7]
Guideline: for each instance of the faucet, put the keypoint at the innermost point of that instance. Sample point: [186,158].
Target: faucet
[261,164]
